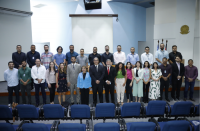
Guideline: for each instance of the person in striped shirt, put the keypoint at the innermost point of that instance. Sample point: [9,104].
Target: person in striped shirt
[46,57]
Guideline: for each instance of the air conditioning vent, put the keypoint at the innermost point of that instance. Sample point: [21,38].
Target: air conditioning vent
[15,12]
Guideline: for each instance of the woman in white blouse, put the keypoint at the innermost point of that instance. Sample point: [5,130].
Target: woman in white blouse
[51,81]
[137,81]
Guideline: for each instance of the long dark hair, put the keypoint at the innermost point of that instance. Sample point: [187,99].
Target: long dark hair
[148,64]
[156,64]
[123,69]
[127,64]
[54,69]
[64,70]
[140,64]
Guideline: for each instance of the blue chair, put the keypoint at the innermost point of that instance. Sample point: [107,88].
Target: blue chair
[104,110]
[36,127]
[71,127]
[196,112]
[7,127]
[54,111]
[155,109]
[28,112]
[196,125]
[178,125]
[180,109]
[141,126]
[111,126]
[5,113]
[129,110]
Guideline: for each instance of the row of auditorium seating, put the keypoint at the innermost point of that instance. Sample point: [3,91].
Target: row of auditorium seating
[103,111]
[176,125]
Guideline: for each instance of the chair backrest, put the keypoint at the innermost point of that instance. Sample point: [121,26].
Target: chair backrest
[6,127]
[71,127]
[176,126]
[197,110]
[80,111]
[34,127]
[53,111]
[109,126]
[181,108]
[104,110]
[142,126]
[27,111]
[156,108]
[130,109]
[5,112]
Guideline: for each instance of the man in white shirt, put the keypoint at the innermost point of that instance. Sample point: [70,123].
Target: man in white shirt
[38,74]
[119,56]
[11,76]
[146,56]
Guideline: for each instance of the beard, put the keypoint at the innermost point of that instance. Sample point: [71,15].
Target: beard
[107,50]
[23,65]
[47,50]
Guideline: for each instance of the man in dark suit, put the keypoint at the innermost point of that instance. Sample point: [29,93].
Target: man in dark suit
[97,74]
[178,71]
[109,80]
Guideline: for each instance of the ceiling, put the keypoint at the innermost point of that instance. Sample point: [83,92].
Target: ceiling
[143,3]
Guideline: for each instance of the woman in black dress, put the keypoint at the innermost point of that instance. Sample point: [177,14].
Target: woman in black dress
[61,82]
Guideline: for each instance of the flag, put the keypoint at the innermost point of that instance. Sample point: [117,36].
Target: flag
[158,47]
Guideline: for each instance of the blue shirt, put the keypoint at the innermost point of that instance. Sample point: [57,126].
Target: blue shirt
[11,76]
[17,58]
[132,58]
[59,59]
[31,57]
[84,83]
[69,55]
[160,55]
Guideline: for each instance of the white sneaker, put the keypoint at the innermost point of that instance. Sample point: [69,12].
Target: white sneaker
[9,105]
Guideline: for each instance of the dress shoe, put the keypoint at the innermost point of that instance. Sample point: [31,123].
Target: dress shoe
[167,100]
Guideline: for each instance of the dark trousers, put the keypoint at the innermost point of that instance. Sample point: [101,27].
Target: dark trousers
[164,84]
[84,95]
[37,89]
[109,88]
[176,86]
[52,92]
[10,94]
[26,88]
[98,88]
[129,90]
[32,81]
[145,91]
[187,85]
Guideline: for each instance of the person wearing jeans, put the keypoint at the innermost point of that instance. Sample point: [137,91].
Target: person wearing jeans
[120,82]
[11,76]
[51,81]
[24,75]
[38,74]
[191,73]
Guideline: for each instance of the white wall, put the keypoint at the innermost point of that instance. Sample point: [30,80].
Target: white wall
[186,12]
[14,30]
[149,33]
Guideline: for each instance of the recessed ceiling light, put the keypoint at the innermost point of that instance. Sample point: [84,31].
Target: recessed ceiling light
[39,5]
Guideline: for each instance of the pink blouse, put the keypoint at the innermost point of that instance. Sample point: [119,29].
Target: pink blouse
[129,74]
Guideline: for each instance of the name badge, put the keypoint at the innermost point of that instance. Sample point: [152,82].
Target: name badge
[33,58]
[24,75]
[165,71]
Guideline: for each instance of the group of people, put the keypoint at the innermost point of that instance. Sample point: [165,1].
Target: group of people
[142,79]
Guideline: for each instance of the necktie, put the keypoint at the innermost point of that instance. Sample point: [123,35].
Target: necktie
[73,66]
[108,70]
[96,68]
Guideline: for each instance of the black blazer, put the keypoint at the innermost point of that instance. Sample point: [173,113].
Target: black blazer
[111,76]
[97,75]
[175,71]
